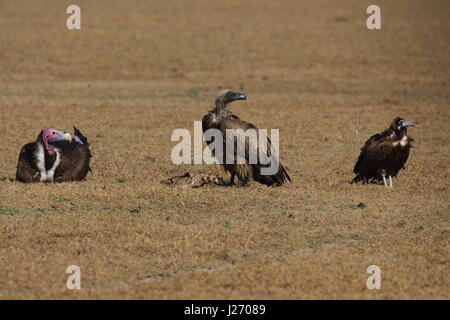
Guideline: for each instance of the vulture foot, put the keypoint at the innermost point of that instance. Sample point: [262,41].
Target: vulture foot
[241,184]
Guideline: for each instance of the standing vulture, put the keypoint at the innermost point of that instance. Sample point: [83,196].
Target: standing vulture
[222,119]
[54,157]
[384,154]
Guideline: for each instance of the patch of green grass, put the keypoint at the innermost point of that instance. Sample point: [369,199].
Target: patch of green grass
[346,206]
[174,205]
[63,199]
[185,267]
[12,212]
[40,212]
[108,209]
[314,241]
[193,93]
[119,180]
[227,224]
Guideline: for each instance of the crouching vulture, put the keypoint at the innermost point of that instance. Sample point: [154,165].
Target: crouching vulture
[222,119]
[384,154]
[55,156]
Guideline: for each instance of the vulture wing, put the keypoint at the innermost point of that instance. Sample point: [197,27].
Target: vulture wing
[277,179]
[233,122]
[26,170]
[374,151]
[74,165]
[78,137]
[75,159]
[207,121]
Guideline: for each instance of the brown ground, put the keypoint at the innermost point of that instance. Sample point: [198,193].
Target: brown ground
[139,69]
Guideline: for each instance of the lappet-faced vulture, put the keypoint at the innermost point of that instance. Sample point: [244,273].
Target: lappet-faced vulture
[55,156]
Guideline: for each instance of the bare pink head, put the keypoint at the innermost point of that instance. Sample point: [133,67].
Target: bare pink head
[51,135]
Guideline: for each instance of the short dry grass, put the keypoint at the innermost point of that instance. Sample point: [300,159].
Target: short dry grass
[140,69]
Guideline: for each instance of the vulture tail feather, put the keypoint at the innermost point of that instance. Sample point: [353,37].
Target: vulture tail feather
[77,134]
[277,179]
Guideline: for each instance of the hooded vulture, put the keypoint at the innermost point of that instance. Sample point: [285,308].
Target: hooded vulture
[55,156]
[384,154]
[222,119]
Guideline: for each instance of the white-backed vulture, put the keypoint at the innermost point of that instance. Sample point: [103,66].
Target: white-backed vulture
[222,119]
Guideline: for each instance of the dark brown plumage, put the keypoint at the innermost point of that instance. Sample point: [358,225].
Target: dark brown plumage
[222,119]
[54,157]
[384,154]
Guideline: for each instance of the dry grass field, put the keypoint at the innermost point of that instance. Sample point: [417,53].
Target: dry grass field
[139,69]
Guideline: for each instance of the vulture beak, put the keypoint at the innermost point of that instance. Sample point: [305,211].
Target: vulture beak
[241,96]
[62,136]
[405,123]
[67,136]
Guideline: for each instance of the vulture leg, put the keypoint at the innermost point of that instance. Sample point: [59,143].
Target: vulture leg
[232,179]
[241,183]
[390,182]
[385,182]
